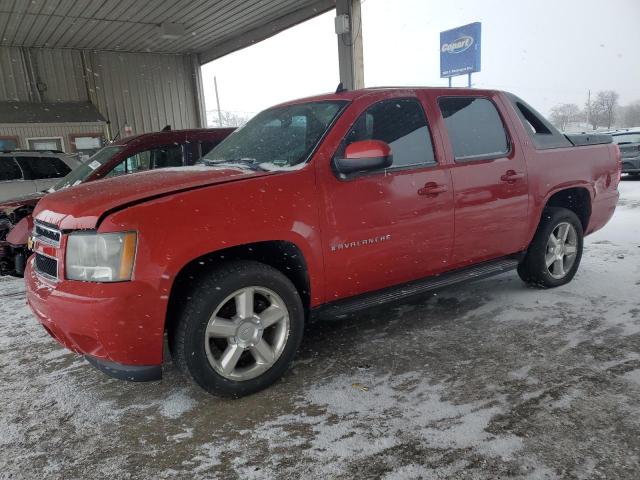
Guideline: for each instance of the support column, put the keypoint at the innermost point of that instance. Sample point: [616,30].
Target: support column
[198,92]
[350,55]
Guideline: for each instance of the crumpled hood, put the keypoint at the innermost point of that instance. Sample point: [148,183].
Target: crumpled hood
[83,206]
[25,201]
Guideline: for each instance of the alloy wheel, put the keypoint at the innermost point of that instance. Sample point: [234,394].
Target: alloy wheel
[247,333]
[562,248]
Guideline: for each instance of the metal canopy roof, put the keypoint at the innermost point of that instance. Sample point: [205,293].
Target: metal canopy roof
[210,28]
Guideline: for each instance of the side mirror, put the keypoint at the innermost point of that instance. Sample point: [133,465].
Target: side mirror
[364,156]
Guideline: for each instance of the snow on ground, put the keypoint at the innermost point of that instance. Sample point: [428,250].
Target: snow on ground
[487,380]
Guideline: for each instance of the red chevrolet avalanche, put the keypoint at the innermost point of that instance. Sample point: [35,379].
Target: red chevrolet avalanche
[328,204]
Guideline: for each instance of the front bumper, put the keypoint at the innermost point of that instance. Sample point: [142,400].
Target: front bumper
[118,326]
[132,373]
[631,165]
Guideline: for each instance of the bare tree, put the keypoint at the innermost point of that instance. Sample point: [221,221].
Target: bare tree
[631,115]
[603,109]
[229,119]
[563,114]
[593,114]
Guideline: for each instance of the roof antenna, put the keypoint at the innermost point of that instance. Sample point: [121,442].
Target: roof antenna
[167,128]
[340,88]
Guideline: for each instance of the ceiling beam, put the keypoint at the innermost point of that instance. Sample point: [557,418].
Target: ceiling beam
[245,39]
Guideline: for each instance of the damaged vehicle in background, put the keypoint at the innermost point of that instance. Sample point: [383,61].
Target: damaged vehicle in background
[24,172]
[172,148]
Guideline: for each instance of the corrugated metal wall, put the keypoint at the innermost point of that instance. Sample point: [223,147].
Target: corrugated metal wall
[34,130]
[147,91]
[14,81]
[62,71]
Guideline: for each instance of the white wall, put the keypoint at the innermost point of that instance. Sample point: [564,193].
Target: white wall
[45,130]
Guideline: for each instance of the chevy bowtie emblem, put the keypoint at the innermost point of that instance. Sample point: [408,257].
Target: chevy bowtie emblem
[359,243]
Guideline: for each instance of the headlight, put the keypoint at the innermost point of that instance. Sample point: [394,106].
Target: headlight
[100,257]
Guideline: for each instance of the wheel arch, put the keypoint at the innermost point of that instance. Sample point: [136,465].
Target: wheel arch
[283,255]
[575,198]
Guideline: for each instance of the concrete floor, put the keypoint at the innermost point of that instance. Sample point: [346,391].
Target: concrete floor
[488,380]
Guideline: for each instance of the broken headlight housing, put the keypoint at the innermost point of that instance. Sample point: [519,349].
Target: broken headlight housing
[100,257]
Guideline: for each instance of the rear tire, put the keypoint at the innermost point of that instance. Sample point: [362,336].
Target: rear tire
[239,330]
[554,254]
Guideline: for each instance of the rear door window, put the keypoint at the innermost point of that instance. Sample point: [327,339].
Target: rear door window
[43,168]
[9,170]
[402,124]
[475,128]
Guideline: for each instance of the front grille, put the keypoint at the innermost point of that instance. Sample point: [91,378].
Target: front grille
[46,265]
[47,234]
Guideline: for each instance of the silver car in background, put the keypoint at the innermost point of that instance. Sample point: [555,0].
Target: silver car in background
[629,143]
[25,172]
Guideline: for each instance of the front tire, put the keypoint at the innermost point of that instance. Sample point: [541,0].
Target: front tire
[556,250]
[239,331]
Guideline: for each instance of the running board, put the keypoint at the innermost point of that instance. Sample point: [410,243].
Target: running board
[418,287]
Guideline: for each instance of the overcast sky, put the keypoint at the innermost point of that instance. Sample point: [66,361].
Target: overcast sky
[547,51]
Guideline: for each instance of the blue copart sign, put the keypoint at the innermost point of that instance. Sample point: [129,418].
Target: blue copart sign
[460,50]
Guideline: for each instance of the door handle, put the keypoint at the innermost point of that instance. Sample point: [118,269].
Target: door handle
[432,189]
[511,176]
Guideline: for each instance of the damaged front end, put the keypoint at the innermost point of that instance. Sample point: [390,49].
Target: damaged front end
[16,225]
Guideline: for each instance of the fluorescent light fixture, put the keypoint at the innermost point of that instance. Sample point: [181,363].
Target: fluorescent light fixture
[172,31]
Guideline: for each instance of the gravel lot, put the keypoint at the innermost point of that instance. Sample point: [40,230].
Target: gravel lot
[487,380]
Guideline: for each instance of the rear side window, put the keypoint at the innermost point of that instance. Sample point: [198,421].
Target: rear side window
[533,123]
[475,128]
[9,170]
[543,134]
[41,168]
[400,123]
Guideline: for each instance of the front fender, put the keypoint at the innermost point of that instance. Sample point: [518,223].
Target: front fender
[19,234]
[175,230]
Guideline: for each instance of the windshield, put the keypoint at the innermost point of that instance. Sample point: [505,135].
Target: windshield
[80,173]
[278,138]
[627,138]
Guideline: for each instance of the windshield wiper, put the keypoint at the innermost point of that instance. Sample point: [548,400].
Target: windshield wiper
[250,163]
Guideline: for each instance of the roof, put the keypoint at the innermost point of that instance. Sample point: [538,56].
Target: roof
[211,28]
[58,112]
[176,135]
[70,160]
[350,95]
